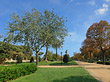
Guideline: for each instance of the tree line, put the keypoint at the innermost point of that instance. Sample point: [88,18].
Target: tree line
[96,46]
[10,51]
[36,30]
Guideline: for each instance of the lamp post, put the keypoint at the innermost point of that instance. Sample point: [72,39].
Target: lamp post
[16,59]
[61,58]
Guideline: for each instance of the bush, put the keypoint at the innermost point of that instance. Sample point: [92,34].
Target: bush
[65,58]
[90,61]
[101,62]
[12,72]
[39,59]
[2,58]
[31,60]
[19,59]
[10,63]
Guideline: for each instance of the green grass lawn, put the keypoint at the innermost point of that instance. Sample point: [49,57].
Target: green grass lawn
[76,74]
[57,63]
[49,63]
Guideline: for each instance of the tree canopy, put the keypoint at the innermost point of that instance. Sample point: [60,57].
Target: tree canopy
[36,29]
[97,39]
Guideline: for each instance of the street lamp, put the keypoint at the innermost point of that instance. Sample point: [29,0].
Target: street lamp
[16,59]
[61,58]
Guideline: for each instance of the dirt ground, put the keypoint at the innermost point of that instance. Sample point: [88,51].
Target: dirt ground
[100,72]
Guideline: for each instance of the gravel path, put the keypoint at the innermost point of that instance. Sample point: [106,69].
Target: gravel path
[100,72]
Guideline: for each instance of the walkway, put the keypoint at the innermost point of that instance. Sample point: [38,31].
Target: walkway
[100,72]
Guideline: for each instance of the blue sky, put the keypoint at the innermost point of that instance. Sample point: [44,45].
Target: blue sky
[80,15]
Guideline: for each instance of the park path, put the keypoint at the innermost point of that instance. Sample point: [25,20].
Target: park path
[100,72]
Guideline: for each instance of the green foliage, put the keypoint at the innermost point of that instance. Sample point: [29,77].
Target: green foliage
[101,62]
[19,59]
[65,58]
[49,56]
[54,57]
[57,63]
[2,57]
[40,53]
[31,60]
[12,72]
[40,59]
[73,74]
[4,49]
[91,61]
[36,29]
[9,51]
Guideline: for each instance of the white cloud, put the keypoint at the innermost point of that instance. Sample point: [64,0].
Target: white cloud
[106,0]
[91,2]
[70,1]
[102,10]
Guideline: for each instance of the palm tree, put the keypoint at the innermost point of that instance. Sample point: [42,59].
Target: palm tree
[57,44]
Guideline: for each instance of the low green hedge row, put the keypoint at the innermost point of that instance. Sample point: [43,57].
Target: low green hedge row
[14,62]
[101,62]
[15,71]
[89,61]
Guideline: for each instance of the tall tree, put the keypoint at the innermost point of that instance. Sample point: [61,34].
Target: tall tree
[52,22]
[100,33]
[89,44]
[78,56]
[57,44]
[36,29]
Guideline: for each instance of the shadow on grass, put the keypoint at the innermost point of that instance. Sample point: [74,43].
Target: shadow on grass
[77,79]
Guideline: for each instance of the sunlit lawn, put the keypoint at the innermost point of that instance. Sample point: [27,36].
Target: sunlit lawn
[57,63]
[76,74]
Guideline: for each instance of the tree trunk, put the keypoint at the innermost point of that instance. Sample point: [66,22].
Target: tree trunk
[97,58]
[90,56]
[104,57]
[37,58]
[46,53]
[56,54]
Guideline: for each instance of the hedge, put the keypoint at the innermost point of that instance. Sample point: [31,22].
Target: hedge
[12,72]
[101,62]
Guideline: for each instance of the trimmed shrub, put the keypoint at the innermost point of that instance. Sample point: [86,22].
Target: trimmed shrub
[19,59]
[90,61]
[107,63]
[65,58]
[31,60]
[12,72]
[101,62]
